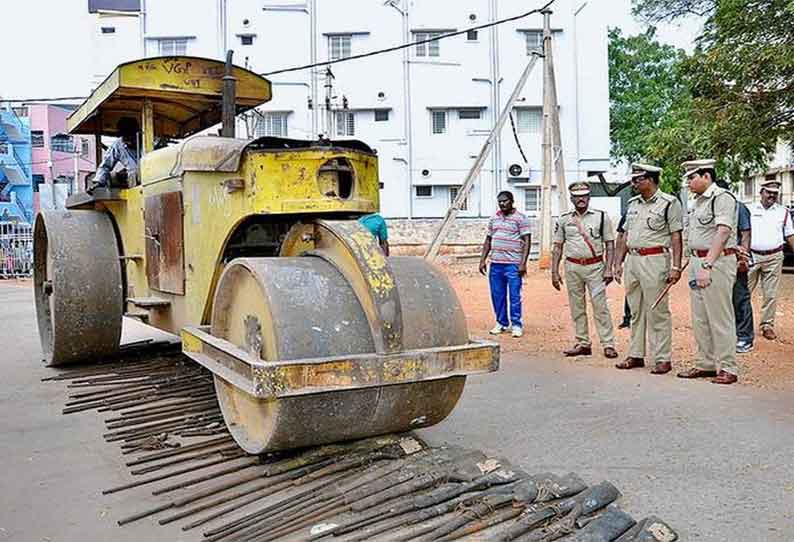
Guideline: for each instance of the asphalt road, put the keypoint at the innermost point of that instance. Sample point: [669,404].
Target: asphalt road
[716,462]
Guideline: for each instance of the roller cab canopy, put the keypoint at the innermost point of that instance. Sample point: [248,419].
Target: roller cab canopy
[175,96]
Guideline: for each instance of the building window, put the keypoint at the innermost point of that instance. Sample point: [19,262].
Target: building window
[339,46]
[246,40]
[345,124]
[471,35]
[453,194]
[37,180]
[37,138]
[61,143]
[427,49]
[529,121]
[381,115]
[469,114]
[172,46]
[532,199]
[534,41]
[748,188]
[770,176]
[20,111]
[271,124]
[108,29]
[439,121]
[84,147]
[423,191]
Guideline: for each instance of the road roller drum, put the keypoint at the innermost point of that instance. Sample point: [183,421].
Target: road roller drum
[322,367]
[78,286]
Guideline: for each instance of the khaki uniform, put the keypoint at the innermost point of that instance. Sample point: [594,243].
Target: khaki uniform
[649,225]
[599,230]
[767,270]
[712,309]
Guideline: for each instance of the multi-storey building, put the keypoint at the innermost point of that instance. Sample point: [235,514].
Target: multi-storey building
[60,162]
[780,167]
[426,109]
[16,192]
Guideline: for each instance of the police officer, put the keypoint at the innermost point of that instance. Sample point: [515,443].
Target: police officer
[587,240]
[712,273]
[654,222]
[772,228]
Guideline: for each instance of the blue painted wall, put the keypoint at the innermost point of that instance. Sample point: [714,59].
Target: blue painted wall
[16,195]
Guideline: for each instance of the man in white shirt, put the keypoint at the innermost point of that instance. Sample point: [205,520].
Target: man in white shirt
[772,227]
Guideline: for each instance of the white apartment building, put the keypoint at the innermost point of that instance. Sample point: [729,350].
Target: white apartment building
[780,168]
[427,109]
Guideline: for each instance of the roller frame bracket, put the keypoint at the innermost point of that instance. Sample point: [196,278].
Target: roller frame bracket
[271,380]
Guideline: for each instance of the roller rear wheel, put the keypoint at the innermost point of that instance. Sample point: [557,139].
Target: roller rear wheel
[78,286]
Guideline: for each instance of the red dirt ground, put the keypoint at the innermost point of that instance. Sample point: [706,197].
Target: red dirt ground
[548,328]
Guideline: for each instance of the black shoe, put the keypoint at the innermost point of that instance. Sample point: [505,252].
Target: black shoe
[625,324]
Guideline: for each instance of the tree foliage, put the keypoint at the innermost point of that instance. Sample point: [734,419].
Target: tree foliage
[741,75]
[651,105]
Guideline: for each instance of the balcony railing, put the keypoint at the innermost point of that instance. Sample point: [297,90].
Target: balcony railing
[22,164]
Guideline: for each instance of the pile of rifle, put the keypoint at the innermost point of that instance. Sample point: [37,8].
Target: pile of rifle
[389,488]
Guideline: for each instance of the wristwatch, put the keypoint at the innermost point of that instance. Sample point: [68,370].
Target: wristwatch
[675,269]
[706,265]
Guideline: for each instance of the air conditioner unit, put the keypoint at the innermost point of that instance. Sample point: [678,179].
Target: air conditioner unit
[517,170]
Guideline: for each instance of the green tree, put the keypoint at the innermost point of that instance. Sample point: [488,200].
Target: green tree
[651,106]
[741,74]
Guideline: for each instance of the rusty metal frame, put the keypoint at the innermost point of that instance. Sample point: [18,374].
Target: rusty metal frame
[271,380]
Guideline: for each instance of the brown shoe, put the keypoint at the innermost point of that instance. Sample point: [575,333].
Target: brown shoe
[630,363]
[579,350]
[725,378]
[662,368]
[694,372]
[769,333]
[610,352]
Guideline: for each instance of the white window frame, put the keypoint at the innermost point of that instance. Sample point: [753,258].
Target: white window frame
[85,148]
[37,142]
[345,124]
[453,193]
[339,46]
[534,41]
[435,128]
[271,124]
[62,143]
[532,190]
[469,114]
[529,120]
[432,49]
[172,46]
[749,188]
[428,196]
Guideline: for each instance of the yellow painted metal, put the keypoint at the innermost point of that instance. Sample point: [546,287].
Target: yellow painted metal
[274,183]
[185,93]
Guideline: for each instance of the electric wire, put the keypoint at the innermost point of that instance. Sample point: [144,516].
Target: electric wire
[414,43]
[498,22]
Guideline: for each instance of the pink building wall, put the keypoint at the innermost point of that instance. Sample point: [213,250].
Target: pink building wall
[51,120]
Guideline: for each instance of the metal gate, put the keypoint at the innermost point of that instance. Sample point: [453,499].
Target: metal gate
[16,250]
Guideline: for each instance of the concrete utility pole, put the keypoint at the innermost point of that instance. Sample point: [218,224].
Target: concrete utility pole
[552,146]
[329,95]
[452,212]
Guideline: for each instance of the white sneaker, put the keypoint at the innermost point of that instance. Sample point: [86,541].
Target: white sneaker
[517,331]
[497,329]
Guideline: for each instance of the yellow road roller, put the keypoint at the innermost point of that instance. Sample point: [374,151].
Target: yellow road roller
[251,251]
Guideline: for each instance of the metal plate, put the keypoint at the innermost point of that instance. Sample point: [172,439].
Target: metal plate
[165,260]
